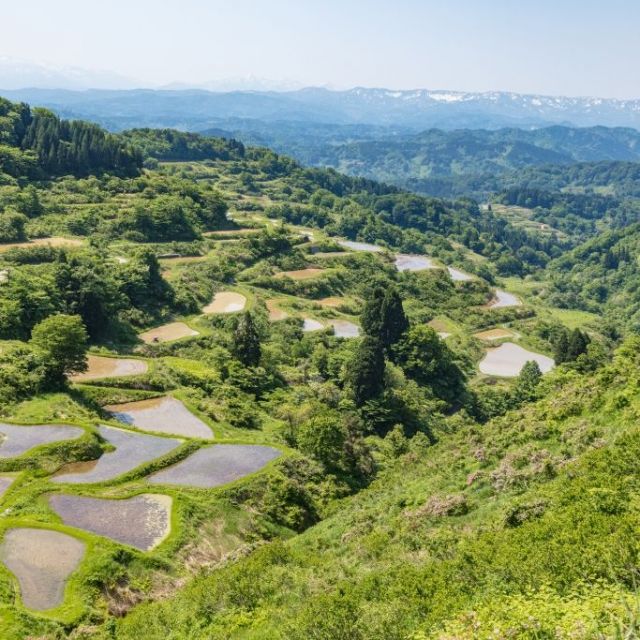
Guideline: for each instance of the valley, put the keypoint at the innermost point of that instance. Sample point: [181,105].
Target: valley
[234,388]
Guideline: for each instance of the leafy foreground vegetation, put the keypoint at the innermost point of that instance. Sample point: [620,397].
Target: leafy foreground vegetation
[414,496]
[525,527]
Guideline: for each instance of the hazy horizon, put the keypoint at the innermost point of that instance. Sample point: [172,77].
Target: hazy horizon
[562,48]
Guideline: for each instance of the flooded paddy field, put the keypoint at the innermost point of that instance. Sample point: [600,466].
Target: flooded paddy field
[226,302]
[275,313]
[164,415]
[508,359]
[408,262]
[18,439]
[131,451]
[360,246]
[216,465]
[168,332]
[41,560]
[504,299]
[6,480]
[142,522]
[345,329]
[102,367]
[309,324]
[458,276]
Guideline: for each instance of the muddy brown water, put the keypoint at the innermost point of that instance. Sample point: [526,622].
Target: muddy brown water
[41,560]
[226,302]
[216,465]
[131,451]
[168,332]
[101,367]
[142,522]
[17,439]
[164,415]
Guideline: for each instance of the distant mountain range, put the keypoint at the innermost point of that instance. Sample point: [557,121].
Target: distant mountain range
[409,110]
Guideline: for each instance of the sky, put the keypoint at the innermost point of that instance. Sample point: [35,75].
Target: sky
[556,47]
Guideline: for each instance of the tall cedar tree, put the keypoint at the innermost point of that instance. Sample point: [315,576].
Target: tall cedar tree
[383,316]
[366,373]
[247,341]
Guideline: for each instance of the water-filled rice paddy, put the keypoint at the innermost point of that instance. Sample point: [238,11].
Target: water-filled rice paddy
[309,324]
[504,299]
[131,451]
[360,246]
[101,367]
[458,276]
[226,302]
[164,415]
[216,465]
[168,332]
[407,262]
[142,522]
[41,560]
[17,439]
[345,329]
[6,480]
[508,359]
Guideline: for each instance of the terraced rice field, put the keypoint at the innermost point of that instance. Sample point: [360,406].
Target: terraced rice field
[54,241]
[6,480]
[360,246]
[345,329]
[309,324]
[131,451]
[504,299]
[216,465]
[407,262]
[301,274]
[168,332]
[142,522]
[458,276]
[41,560]
[494,334]
[275,313]
[332,302]
[18,439]
[164,415]
[226,302]
[101,367]
[508,359]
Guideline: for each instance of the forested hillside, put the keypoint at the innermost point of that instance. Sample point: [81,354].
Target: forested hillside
[241,398]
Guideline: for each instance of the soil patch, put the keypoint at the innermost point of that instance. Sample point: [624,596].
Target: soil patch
[226,302]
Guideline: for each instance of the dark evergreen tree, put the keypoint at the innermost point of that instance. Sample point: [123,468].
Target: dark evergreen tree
[561,347]
[383,316]
[246,341]
[366,372]
[527,383]
[577,344]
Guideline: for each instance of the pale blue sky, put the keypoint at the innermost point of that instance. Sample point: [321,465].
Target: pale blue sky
[569,47]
